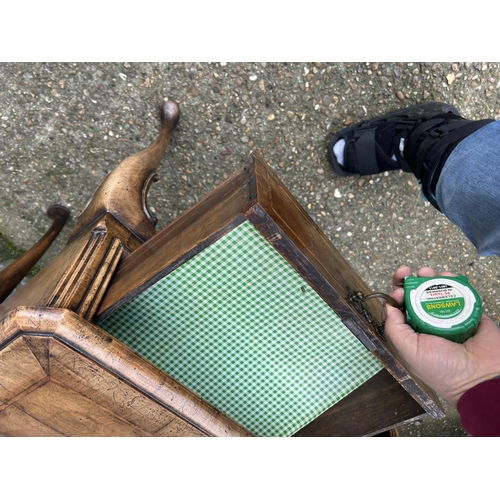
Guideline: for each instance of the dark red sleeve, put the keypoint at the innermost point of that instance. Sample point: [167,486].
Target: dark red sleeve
[479,409]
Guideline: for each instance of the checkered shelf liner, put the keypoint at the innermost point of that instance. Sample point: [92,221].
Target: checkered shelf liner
[240,327]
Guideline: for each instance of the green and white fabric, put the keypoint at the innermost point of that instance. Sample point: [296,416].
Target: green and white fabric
[240,327]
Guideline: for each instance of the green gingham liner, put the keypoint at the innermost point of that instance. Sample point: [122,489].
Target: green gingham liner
[240,327]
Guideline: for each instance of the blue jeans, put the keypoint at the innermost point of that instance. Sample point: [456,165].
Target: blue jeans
[468,190]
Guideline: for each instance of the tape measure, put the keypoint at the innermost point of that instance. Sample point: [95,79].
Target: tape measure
[442,305]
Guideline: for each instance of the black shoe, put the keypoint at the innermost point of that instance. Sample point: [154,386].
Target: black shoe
[417,139]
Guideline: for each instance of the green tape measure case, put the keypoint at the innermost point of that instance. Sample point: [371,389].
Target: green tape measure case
[442,305]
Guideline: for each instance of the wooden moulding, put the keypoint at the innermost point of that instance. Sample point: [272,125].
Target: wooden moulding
[114,222]
[255,193]
[78,276]
[63,376]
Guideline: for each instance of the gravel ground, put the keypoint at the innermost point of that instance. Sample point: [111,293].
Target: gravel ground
[64,126]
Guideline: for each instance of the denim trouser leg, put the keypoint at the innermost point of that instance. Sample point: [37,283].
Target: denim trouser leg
[468,190]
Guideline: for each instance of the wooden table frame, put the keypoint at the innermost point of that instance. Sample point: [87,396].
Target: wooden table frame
[51,344]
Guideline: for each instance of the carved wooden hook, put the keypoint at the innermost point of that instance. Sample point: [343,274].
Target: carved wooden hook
[13,274]
[123,192]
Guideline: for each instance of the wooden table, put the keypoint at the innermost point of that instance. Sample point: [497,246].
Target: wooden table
[61,374]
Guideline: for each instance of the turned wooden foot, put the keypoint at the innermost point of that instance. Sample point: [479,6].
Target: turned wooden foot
[12,275]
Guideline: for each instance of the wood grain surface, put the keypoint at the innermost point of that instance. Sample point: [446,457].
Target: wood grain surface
[61,375]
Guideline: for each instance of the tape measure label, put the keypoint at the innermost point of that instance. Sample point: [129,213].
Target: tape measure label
[446,306]
[442,301]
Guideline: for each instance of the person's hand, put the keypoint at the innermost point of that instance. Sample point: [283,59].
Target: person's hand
[447,367]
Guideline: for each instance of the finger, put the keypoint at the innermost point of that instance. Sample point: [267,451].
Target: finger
[398,295]
[426,272]
[399,276]
[446,273]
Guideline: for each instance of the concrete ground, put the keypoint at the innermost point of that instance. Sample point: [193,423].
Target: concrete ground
[64,126]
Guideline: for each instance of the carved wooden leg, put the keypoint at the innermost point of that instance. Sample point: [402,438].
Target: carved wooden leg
[12,275]
[114,222]
[123,192]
